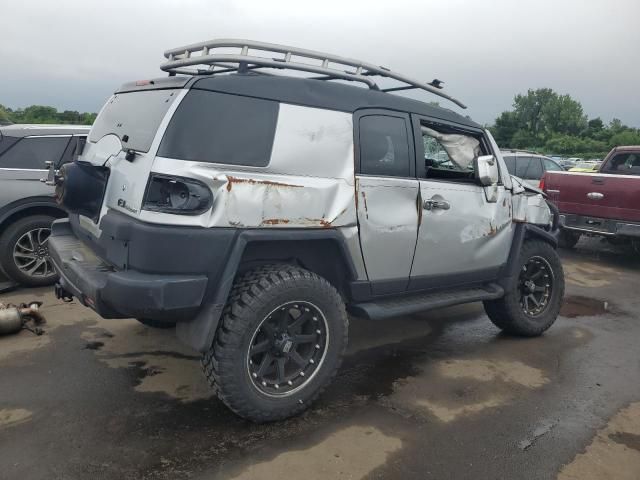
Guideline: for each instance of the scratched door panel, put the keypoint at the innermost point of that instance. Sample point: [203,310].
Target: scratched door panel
[472,234]
[388,219]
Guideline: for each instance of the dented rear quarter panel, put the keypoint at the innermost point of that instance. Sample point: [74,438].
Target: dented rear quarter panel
[309,181]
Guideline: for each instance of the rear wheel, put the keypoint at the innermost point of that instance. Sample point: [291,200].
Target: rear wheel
[532,305]
[24,251]
[280,343]
[568,239]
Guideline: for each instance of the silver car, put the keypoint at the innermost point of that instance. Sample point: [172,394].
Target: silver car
[251,210]
[28,206]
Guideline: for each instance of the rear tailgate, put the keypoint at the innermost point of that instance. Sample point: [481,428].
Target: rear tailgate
[595,195]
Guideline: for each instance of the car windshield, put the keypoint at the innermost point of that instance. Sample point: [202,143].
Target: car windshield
[134,117]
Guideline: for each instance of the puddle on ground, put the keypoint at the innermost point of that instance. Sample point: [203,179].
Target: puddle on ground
[157,361]
[452,389]
[350,453]
[614,452]
[576,306]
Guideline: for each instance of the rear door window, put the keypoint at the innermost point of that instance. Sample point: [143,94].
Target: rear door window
[384,146]
[32,152]
[221,128]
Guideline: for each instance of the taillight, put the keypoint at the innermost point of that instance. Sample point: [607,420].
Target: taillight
[182,196]
[541,185]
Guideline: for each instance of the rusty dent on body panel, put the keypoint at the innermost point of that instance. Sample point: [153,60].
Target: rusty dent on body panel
[303,221]
[233,180]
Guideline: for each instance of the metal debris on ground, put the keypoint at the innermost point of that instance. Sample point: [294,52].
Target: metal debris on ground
[14,318]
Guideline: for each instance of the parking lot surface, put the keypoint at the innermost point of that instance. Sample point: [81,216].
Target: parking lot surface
[437,395]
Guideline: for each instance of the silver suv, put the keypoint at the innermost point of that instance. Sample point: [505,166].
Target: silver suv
[253,210]
[529,166]
[28,206]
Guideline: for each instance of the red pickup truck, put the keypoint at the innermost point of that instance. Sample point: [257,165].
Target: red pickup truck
[606,202]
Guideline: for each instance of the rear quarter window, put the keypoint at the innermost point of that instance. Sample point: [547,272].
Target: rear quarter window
[221,128]
[511,164]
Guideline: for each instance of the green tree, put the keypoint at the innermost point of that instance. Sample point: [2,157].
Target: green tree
[627,137]
[5,117]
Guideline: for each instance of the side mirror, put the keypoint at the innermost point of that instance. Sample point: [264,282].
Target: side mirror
[486,167]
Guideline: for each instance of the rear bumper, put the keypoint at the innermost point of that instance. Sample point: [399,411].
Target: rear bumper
[599,226]
[121,293]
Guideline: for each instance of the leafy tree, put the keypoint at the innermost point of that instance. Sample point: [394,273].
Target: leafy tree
[556,124]
[45,114]
[627,137]
[4,116]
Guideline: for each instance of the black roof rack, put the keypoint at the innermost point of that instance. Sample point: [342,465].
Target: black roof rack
[328,66]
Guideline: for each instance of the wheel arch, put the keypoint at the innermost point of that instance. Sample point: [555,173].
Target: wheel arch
[28,207]
[523,232]
[306,248]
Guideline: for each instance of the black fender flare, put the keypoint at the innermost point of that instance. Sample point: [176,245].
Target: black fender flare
[200,331]
[524,231]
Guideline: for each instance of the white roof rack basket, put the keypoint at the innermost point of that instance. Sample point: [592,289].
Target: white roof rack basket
[330,67]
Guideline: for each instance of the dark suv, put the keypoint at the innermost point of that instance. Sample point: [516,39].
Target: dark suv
[27,205]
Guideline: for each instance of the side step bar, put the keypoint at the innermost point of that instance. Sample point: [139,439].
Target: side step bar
[424,301]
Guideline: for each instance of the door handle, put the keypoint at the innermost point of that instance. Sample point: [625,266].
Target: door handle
[595,195]
[433,204]
[597,181]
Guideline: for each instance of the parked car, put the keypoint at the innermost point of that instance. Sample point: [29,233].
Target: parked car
[529,166]
[28,206]
[585,167]
[253,210]
[566,164]
[605,203]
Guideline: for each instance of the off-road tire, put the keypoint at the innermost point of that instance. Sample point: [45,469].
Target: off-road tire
[507,312]
[8,240]
[568,239]
[149,322]
[253,296]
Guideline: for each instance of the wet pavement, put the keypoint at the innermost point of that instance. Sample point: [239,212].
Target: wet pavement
[437,395]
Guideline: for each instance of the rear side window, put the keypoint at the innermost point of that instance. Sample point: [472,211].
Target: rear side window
[221,128]
[550,165]
[511,164]
[75,147]
[32,153]
[134,117]
[529,168]
[534,171]
[384,146]
[624,164]
[6,142]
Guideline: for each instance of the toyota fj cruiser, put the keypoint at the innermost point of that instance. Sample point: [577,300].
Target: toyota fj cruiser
[253,210]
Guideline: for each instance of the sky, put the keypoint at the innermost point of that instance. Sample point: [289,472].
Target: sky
[73,54]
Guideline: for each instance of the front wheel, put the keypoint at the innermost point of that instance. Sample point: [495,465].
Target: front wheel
[532,305]
[280,343]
